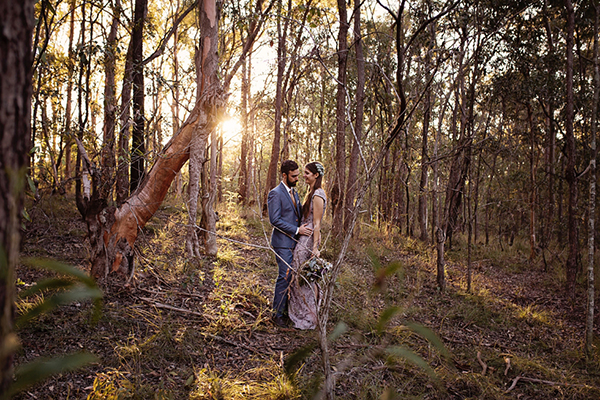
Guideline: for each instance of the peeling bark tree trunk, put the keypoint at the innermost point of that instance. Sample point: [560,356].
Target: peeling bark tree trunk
[16,18]
[352,183]
[424,157]
[281,58]
[337,190]
[68,127]
[112,230]
[570,174]
[108,148]
[138,146]
[589,332]
[210,94]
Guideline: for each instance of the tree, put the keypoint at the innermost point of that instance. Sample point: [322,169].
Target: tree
[589,332]
[570,172]
[352,183]
[337,190]
[16,18]
[138,140]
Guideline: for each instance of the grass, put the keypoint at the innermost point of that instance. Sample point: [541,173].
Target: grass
[225,347]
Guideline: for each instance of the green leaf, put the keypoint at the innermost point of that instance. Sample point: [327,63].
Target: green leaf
[413,358]
[297,357]
[61,268]
[77,293]
[46,284]
[430,336]
[338,331]
[385,317]
[39,370]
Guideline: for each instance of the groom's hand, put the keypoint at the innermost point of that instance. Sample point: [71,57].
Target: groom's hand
[305,230]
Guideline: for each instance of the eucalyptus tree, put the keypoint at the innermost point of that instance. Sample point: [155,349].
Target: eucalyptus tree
[395,129]
[16,18]
[570,171]
[339,180]
[357,129]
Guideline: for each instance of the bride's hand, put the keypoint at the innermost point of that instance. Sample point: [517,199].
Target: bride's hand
[316,253]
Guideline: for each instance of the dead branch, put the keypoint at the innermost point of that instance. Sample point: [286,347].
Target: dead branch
[483,365]
[507,361]
[181,310]
[235,344]
[184,294]
[535,380]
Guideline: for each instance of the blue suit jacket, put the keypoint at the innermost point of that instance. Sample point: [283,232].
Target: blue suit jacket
[284,217]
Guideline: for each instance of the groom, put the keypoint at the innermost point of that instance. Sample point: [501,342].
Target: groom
[285,214]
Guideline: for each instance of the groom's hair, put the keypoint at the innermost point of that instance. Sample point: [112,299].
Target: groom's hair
[288,166]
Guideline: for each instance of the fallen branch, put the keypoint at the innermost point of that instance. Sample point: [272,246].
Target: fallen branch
[507,361]
[235,344]
[483,365]
[181,310]
[199,296]
[535,380]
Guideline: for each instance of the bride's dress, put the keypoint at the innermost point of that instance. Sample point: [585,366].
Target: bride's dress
[303,296]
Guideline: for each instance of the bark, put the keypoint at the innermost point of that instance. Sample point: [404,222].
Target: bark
[68,128]
[424,158]
[281,59]
[138,148]
[243,177]
[113,230]
[108,142]
[337,190]
[83,192]
[122,186]
[550,141]
[589,331]
[175,105]
[16,18]
[570,173]
[352,184]
[532,196]
[210,93]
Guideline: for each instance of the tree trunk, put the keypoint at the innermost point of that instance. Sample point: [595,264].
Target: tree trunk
[352,183]
[108,141]
[83,192]
[550,142]
[210,93]
[532,181]
[337,190]
[272,172]
[122,186]
[424,157]
[138,148]
[112,230]
[589,332]
[68,127]
[243,177]
[16,18]
[570,173]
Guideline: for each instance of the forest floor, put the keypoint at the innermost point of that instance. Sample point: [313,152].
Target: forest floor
[202,330]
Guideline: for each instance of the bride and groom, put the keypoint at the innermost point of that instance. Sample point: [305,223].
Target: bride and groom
[295,239]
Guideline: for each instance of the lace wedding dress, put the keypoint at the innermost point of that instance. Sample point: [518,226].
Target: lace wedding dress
[303,296]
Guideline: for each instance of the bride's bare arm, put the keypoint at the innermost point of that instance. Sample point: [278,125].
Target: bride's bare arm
[318,204]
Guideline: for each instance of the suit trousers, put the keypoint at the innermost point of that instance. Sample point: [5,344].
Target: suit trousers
[284,277]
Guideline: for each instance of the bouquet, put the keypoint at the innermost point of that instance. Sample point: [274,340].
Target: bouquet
[314,269]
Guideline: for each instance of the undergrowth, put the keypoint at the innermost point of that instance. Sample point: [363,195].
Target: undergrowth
[200,329]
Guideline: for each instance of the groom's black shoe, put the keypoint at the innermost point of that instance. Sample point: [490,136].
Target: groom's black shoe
[281,322]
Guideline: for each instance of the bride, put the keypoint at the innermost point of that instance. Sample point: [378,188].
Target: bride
[303,295]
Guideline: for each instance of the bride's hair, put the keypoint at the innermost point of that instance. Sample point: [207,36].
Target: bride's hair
[316,168]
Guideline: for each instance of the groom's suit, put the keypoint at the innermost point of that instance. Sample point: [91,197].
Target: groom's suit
[285,218]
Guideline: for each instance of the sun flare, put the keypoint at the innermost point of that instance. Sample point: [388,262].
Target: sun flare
[231,130]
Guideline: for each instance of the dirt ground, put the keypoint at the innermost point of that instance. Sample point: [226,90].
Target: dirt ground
[200,329]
